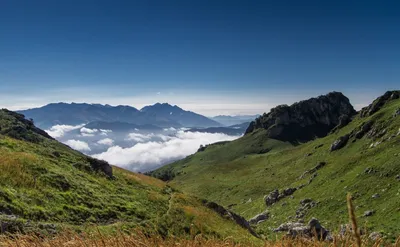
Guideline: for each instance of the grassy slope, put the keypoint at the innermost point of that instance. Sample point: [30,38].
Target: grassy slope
[231,176]
[41,182]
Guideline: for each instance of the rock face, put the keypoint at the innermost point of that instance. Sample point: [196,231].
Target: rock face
[379,102]
[305,120]
[312,229]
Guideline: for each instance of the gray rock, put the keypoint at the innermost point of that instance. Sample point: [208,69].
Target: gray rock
[289,191]
[311,230]
[271,198]
[340,143]
[363,129]
[369,213]
[376,196]
[375,236]
[396,113]
[259,218]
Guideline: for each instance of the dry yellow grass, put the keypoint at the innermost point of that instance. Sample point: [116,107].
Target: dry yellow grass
[138,239]
[14,168]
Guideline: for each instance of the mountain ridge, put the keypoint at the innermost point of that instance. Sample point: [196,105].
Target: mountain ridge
[79,113]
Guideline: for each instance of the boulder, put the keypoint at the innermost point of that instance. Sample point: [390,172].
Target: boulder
[313,229]
[369,213]
[289,191]
[340,143]
[376,196]
[374,236]
[101,166]
[259,218]
[271,198]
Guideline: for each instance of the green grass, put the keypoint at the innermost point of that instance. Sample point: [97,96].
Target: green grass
[236,175]
[44,182]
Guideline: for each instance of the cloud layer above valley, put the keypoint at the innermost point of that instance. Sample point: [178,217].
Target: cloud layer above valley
[153,151]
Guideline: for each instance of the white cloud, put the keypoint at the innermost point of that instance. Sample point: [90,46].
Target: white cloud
[137,137]
[87,135]
[152,154]
[78,145]
[88,131]
[58,131]
[170,129]
[106,131]
[106,141]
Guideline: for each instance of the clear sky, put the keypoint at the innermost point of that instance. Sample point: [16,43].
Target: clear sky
[213,57]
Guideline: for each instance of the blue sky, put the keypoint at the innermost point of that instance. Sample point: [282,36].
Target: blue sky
[213,57]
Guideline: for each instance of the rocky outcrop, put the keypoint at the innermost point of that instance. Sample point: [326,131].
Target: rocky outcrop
[340,142]
[275,196]
[305,120]
[305,205]
[313,229]
[379,103]
[101,165]
[313,170]
[227,214]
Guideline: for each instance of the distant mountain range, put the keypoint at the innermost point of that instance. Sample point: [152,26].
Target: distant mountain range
[233,120]
[160,115]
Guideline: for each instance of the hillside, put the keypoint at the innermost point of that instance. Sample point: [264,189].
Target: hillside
[46,187]
[312,178]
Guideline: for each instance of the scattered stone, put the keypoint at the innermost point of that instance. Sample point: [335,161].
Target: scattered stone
[308,155]
[363,130]
[396,113]
[259,218]
[305,205]
[376,196]
[271,198]
[289,191]
[398,177]
[314,169]
[340,143]
[375,144]
[311,230]
[375,236]
[369,213]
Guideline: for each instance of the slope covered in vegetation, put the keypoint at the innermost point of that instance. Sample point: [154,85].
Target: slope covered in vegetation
[47,187]
[312,178]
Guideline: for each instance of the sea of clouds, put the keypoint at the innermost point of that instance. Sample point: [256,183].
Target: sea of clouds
[138,151]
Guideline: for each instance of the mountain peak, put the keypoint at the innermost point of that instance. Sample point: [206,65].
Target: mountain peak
[305,120]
